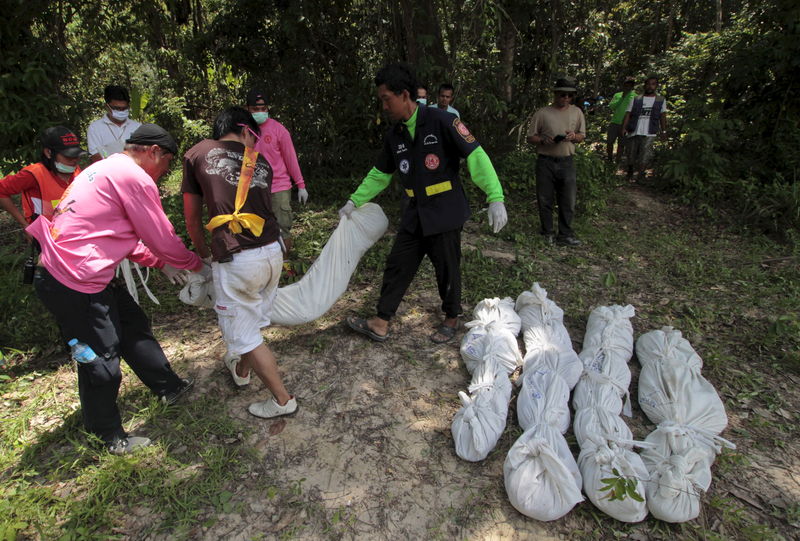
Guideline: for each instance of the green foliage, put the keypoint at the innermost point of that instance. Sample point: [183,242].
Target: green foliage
[26,323]
[619,487]
[517,173]
[737,114]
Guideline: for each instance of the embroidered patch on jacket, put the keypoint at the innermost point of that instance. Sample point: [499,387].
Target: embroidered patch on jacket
[463,131]
[432,162]
[404,166]
[430,139]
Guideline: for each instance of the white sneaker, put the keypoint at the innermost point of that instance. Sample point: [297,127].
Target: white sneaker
[270,408]
[231,361]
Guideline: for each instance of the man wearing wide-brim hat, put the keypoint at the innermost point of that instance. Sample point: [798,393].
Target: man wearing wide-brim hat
[555,130]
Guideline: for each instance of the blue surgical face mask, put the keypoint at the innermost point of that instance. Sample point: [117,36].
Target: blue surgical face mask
[260,118]
[120,115]
[422,101]
[64,168]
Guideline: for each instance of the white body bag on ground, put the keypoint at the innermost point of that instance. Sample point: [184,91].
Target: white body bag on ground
[541,477]
[480,422]
[598,462]
[671,387]
[327,279]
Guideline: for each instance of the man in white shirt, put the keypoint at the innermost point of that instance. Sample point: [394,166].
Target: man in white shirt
[107,134]
[646,117]
[445,97]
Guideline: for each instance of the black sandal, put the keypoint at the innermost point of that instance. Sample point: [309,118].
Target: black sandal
[443,330]
[359,325]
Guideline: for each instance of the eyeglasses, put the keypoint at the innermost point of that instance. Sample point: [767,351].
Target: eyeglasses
[254,134]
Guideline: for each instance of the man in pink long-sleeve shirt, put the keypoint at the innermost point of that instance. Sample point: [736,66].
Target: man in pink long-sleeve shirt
[98,223]
[275,144]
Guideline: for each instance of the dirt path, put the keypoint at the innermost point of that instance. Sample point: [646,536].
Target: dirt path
[370,456]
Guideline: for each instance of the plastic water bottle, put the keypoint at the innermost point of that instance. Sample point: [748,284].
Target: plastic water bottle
[81,353]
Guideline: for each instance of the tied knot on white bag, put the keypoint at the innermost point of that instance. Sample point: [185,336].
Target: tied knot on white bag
[530,449]
[198,291]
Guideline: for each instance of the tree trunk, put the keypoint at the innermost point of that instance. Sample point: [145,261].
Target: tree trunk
[555,33]
[507,43]
[719,16]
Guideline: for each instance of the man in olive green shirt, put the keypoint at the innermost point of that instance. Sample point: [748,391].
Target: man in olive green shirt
[618,105]
[555,130]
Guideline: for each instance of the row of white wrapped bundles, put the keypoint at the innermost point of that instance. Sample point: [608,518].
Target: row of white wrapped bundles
[601,395]
[541,476]
[690,415]
[491,353]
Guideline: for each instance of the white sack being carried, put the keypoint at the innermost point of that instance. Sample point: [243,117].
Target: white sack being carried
[596,390]
[599,424]
[327,279]
[543,350]
[609,328]
[597,462]
[198,291]
[543,399]
[654,346]
[671,390]
[541,477]
[500,311]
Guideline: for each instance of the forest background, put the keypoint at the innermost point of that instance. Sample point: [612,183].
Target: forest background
[717,258]
[728,68]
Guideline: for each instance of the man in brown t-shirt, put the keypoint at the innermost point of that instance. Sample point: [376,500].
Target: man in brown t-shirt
[555,130]
[235,183]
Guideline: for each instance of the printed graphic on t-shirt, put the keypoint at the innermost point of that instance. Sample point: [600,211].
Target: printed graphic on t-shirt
[228,165]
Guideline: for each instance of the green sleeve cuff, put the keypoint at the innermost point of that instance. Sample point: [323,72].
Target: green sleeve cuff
[484,176]
[373,184]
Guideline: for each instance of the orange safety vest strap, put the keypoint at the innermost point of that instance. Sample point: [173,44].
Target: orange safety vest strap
[50,191]
[237,220]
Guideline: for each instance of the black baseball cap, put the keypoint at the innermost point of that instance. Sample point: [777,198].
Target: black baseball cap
[62,140]
[254,95]
[152,134]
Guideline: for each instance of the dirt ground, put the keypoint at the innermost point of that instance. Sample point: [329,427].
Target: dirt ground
[369,454]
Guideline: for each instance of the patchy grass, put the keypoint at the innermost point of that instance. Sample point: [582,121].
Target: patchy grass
[370,453]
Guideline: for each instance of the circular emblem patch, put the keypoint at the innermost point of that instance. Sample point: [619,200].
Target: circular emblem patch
[267,139]
[432,162]
[463,131]
[404,166]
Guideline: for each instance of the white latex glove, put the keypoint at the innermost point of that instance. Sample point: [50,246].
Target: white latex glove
[205,271]
[497,216]
[302,195]
[347,209]
[176,276]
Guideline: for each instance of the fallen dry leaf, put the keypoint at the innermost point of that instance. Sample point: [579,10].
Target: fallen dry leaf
[277,427]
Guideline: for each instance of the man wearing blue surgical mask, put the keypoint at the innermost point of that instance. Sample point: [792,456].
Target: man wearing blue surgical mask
[422,95]
[107,134]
